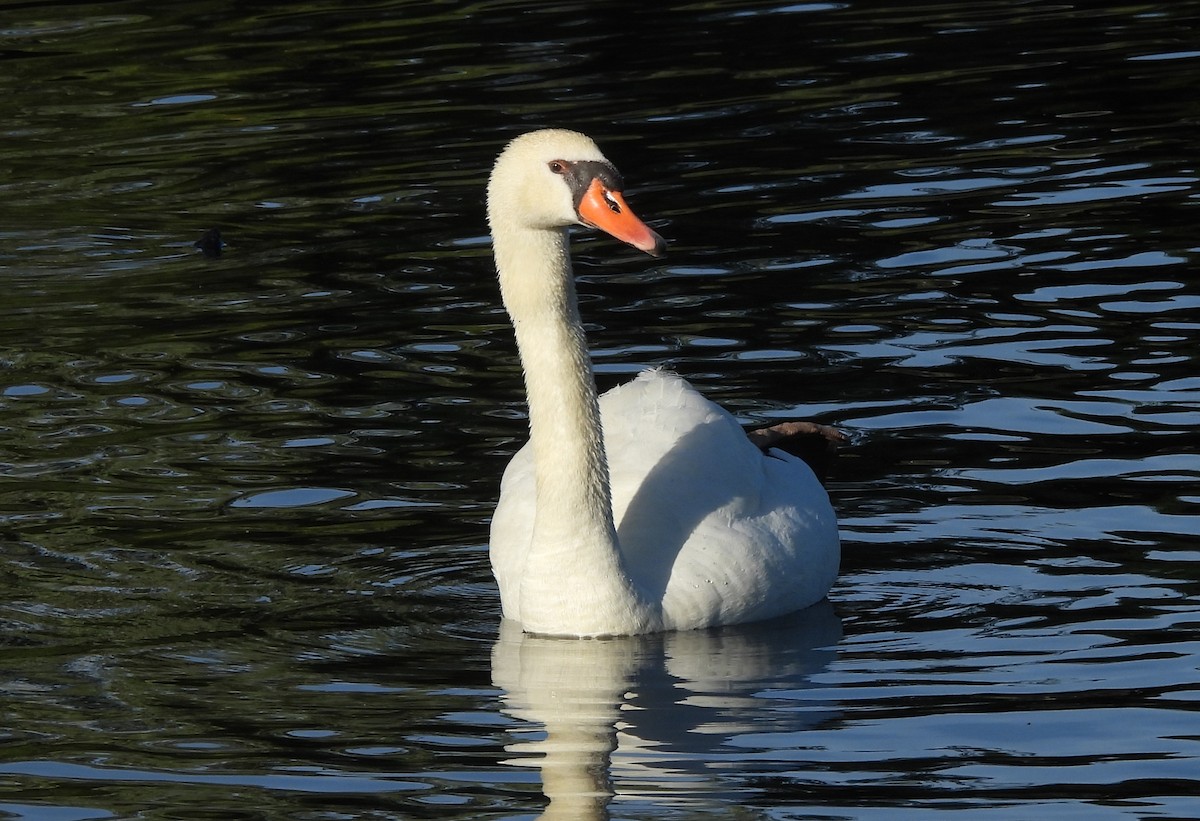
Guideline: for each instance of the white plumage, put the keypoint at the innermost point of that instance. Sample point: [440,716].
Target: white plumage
[648,509]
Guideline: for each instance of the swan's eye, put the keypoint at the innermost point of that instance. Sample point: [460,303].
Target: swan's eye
[558,166]
[612,204]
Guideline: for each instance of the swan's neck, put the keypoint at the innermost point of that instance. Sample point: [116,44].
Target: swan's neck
[575,580]
[564,414]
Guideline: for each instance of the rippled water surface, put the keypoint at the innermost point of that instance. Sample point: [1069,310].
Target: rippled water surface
[244,499]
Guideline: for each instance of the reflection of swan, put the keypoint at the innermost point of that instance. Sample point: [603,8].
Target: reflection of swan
[667,705]
[708,530]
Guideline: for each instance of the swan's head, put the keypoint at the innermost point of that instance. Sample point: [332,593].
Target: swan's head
[553,178]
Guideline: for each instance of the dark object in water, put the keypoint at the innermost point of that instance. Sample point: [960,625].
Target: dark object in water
[813,443]
[210,244]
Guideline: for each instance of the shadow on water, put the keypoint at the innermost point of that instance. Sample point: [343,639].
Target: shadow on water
[669,703]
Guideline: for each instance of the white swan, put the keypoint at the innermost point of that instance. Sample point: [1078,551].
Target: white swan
[647,509]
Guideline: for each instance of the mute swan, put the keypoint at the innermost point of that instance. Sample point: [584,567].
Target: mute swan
[646,509]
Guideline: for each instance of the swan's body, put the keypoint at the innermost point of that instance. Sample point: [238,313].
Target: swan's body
[646,509]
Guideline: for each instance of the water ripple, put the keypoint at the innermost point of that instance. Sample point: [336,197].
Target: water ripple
[245,499]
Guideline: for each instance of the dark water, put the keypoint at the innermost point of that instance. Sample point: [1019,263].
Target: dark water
[244,500]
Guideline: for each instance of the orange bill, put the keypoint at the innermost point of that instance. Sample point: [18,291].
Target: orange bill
[603,208]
